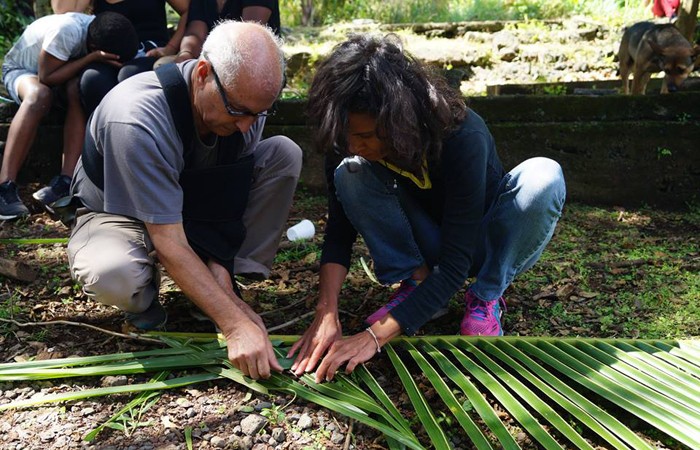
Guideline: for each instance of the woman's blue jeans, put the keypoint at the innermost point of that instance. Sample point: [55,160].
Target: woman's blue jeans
[401,236]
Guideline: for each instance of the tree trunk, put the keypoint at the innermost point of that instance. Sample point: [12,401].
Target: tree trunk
[307,13]
[687,18]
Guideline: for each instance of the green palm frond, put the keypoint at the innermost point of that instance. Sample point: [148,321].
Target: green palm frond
[565,393]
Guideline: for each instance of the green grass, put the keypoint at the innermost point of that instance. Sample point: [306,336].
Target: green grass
[302,251]
[641,272]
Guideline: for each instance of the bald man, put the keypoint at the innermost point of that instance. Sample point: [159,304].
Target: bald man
[182,174]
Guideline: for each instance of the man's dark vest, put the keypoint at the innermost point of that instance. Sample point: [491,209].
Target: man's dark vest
[216,197]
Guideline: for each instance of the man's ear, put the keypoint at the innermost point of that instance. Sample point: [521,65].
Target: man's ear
[201,70]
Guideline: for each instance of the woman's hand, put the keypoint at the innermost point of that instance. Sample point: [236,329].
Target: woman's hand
[324,331]
[357,349]
[354,350]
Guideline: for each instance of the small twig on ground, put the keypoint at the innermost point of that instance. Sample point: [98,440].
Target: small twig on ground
[290,322]
[85,325]
[291,305]
[348,435]
[348,313]
[315,267]
[621,264]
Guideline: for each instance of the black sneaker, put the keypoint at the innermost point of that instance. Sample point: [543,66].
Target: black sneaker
[152,318]
[155,316]
[58,187]
[11,207]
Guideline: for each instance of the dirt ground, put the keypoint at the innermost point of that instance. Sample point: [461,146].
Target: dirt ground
[216,410]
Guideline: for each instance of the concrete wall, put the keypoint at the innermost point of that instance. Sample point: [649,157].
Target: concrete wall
[615,150]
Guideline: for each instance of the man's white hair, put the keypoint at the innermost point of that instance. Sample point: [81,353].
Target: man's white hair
[228,53]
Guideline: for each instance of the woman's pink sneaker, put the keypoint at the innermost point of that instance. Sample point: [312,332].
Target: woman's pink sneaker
[482,318]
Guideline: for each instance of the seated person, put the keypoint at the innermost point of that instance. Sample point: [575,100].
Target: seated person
[204,14]
[664,8]
[149,19]
[44,65]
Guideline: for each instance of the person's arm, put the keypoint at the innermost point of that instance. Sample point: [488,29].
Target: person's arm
[326,327]
[191,45]
[223,278]
[173,45]
[335,261]
[53,71]
[260,14]
[64,6]
[249,348]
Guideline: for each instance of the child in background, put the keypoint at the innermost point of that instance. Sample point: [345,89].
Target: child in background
[664,8]
[42,67]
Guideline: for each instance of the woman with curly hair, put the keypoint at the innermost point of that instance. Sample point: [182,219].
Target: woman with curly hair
[416,173]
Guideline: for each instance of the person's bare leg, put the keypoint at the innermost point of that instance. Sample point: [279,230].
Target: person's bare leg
[73,129]
[36,102]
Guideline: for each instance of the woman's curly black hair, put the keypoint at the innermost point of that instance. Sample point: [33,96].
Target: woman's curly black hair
[414,107]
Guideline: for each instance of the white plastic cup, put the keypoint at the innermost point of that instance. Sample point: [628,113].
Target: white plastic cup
[303,230]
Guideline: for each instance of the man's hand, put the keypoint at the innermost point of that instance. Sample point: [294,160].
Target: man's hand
[250,350]
[324,331]
[354,350]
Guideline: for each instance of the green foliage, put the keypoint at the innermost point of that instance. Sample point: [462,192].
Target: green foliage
[12,23]
[9,307]
[275,414]
[554,90]
[662,152]
[328,12]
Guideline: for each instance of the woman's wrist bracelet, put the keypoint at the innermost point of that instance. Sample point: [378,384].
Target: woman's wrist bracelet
[374,336]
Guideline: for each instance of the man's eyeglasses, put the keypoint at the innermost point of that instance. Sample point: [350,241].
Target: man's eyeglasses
[230,109]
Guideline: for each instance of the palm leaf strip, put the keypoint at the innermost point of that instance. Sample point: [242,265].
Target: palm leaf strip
[501,393]
[481,406]
[140,400]
[423,411]
[99,392]
[590,379]
[472,429]
[654,366]
[656,380]
[395,418]
[630,368]
[595,418]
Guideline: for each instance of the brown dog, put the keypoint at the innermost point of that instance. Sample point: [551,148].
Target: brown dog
[648,48]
